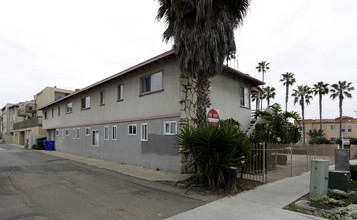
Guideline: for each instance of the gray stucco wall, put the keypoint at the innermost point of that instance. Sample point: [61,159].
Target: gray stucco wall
[133,105]
[159,151]
[225,97]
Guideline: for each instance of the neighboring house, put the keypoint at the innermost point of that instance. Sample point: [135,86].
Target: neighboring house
[133,116]
[29,127]
[331,127]
[9,118]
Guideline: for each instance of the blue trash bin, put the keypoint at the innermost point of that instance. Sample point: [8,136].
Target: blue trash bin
[45,143]
[51,145]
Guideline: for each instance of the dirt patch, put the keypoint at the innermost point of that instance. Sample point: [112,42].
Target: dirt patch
[195,184]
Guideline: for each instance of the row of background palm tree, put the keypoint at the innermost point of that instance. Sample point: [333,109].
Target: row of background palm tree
[304,94]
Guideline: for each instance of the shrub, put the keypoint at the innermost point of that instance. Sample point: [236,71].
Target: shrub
[319,140]
[214,149]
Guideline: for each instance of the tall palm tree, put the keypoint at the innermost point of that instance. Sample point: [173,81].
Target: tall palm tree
[289,80]
[303,94]
[269,94]
[203,34]
[262,67]
[341,90]
[320,89]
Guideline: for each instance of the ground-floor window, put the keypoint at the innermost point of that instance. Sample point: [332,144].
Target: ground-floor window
[95,137]
[170,127]
[74,133]
[87,131]
[132,129]
[114,132]
[106,133]
[144,131]
[57,132]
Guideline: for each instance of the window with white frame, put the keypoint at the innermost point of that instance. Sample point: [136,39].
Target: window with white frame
[120,92]
[67,132]
[144,132]
[87,131]
[46,115]
[106,133]
[78,133]
[95,137]
[244,97]
[132,129]
[151,83]
[74,133]
[57,132]
[69,107]
[349,128]
[333,127]
[343,128]
[114,133]
[170,127]
[85,103]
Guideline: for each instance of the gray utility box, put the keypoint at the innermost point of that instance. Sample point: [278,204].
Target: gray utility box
[341,160]
[340,180]
[318,178]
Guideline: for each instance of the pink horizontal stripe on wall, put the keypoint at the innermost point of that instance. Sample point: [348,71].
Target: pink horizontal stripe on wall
[123,120]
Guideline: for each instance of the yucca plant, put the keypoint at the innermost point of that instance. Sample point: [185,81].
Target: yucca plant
[214,149]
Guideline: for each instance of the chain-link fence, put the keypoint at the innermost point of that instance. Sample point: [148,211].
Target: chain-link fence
[271,162]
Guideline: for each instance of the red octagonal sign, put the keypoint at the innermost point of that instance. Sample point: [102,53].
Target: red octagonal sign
[213,116]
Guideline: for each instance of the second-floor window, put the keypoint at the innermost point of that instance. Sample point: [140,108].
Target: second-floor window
[59,110]
[102,96]
[333,127]
[244,97]
[343,128]
[85,102]
[69,107]
[46,115]
[120,92]
[349,128]
[151,83]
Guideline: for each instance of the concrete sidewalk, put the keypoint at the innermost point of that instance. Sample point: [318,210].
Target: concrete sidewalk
[264,202]
[130,170]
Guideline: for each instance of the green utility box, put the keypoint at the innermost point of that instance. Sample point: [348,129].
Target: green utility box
[340,180]
[318,178]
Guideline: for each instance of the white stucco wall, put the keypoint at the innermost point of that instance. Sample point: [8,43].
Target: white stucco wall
[225,97]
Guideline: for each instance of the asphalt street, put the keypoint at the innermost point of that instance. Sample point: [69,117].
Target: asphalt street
[36,184]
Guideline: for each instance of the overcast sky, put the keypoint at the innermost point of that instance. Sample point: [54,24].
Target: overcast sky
[72,44]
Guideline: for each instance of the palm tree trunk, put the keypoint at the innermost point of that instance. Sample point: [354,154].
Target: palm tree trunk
[340,106]
[303,122]
[320,103]
[286,97]
[203,102]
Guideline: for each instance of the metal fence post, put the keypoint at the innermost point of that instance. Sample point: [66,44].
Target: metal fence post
[307,158]
[264,168]
[291,158]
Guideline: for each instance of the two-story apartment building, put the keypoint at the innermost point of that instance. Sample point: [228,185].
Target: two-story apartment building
[29,127]
[9,118]
[331,127]
[133,116]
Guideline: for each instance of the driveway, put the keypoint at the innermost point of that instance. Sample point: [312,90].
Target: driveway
[36,184]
